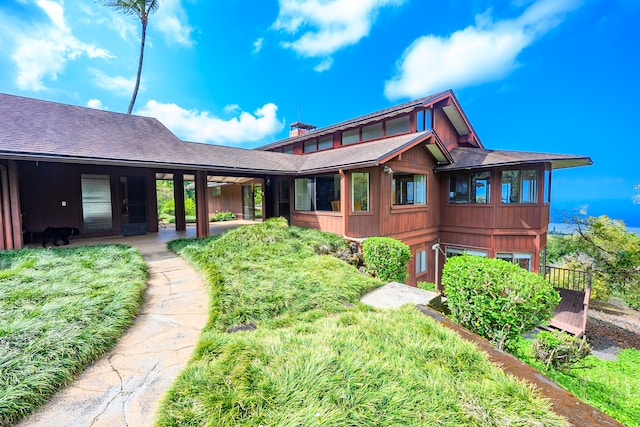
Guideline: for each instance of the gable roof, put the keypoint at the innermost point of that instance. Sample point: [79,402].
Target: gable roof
[362,120]
[475,158]
[361,155]
[43,130]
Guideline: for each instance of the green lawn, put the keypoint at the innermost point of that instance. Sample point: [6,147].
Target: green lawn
[319,357]
[611,386]
[59,310]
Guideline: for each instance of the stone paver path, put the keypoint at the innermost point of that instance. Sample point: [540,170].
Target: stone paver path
[124,387]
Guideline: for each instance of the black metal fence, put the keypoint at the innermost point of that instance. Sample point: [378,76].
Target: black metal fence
[565,278]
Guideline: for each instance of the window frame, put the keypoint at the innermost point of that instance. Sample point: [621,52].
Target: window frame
[459,250]
[521,193]
[515,257]
[309,196]
[353,193]
[415,188]
[421,262]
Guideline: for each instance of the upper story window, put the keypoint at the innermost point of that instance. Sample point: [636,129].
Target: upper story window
[318,144]
[372,131]
[424,120]
[547,186]
[360,192]
[397,125]
[318,193]
[470,188]
[288,149]
[350,136]
[409,189]
[520,186]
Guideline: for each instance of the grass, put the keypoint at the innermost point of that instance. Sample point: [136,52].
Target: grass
[319,357]
[59,310]
[611,386]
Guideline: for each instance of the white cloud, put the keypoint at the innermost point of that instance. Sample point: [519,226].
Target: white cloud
[42,51]
[323,27]
[97,104]
[172,21]
[324,65]
[118,84]
[202,126]
[486,51]
[257,45]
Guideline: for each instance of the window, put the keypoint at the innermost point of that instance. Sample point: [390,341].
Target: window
[97,212]
[318,144]
[317,193]
[453,251]
[325,142]
[521,259]
[310,146]
[409,189]
[520,186]
[398,125]
[216,191]
[288,149]
[421,261]
[372,131]
[470,188]
[424,120]
[547,186]
[350,136]
[360,192]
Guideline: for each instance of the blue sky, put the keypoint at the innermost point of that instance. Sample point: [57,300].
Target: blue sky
[559,76]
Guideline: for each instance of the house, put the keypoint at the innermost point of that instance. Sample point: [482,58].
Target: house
[416,172]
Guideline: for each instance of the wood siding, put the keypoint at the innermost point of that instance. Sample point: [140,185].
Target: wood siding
[445,130]
[229,200]
[321,220]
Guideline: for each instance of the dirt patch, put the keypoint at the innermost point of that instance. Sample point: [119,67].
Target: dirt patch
[611,328]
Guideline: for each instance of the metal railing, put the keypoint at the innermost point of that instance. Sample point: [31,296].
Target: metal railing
[565,278]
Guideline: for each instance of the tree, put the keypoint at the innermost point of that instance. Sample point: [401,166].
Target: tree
[613,252]
[142,9]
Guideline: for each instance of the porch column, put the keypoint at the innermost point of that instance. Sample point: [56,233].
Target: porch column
[269,200]
[16,213]
[5,211]
[152,203]
[202,205]
[178,198]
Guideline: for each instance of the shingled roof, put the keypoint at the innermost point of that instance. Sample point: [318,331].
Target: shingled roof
[475,158]
[43,130]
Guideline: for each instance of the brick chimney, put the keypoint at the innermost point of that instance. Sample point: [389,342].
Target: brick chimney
[299,128]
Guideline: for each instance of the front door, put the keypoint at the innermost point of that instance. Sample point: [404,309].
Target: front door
[133,205]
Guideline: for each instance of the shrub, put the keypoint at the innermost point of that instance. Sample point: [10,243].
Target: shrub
[559,349]
[222,216]
[496,299]
[427,286]
[386,258]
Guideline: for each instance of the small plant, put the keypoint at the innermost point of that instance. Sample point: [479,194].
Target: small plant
[496,299]
[386,258]
[427,286]
[222,216]
[559,349]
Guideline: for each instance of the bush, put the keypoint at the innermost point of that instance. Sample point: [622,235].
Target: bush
[222,216]
[559,349]
[386,258]
[496,299]
[427,286]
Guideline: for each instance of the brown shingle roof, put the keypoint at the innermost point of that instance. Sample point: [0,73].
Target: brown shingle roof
[377,115]
[36,129]
[361,155]
[475,158]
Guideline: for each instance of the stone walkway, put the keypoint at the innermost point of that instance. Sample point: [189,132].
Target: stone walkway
[124,388]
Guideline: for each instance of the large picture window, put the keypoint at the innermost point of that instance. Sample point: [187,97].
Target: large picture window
[318,193]
[470,188]
[520,186]
[97,213]
[409,189]
[360,192]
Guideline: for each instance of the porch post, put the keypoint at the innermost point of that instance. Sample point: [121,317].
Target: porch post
[5,227]
[202,205]
[152,202]
[269,200]
[178,198]
[16,213]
